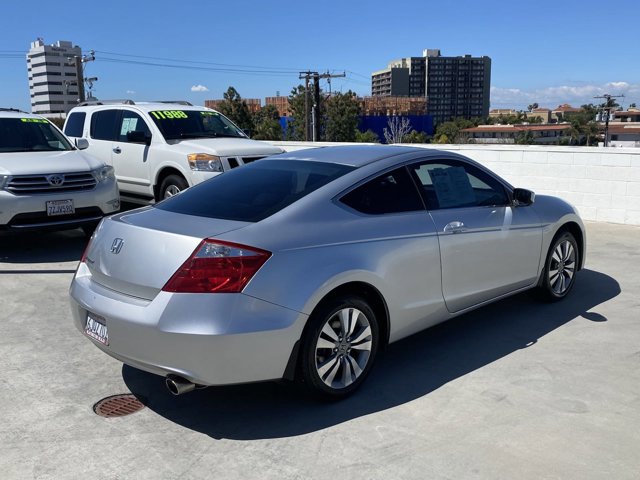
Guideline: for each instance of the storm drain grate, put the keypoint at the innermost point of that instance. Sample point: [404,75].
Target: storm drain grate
[118,406]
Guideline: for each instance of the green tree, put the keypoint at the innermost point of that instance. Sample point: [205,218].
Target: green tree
[367,137]
[533,106]
[584,128]
[451,132]
[416,137]
[236,109]
[342,117]
[525,138]
[633,105]
[267,124]
[589,111]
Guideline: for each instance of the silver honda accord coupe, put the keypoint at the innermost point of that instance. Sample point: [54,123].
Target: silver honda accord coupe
[306,264]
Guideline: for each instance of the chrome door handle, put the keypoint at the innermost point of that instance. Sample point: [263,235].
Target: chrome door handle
[454,227]
[117,150]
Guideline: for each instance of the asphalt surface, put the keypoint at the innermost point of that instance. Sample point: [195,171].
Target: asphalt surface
[518,389]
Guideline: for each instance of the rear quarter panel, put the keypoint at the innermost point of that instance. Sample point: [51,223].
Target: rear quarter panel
[397,254]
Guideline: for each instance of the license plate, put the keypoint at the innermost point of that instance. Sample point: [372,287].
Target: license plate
[60,207]
[96,328]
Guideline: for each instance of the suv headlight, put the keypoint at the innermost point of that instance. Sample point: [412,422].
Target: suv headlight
[103,173]
[203,162]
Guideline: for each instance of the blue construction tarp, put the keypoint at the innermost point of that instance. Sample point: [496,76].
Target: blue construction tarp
[377,124]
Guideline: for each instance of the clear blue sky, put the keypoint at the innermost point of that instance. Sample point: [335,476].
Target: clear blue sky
[548,52]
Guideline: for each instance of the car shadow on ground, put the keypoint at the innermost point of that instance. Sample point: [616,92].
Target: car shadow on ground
[42,247]
[408,370]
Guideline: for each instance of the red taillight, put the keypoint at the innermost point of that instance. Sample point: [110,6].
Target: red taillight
[83,259]
[217,267]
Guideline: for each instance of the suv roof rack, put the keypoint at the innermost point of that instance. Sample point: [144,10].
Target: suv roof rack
[106,102]
[177,102]
[2,109]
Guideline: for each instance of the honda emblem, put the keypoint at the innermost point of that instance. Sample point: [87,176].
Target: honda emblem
[116,246]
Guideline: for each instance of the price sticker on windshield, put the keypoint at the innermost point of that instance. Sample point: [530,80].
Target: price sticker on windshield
[34,120]
[169,114]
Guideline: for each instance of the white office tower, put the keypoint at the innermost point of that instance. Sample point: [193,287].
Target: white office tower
[53,83]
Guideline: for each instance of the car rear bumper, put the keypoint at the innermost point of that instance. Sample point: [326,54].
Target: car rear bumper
[209,339]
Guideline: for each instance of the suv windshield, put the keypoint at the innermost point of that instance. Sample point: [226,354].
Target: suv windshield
[29,135]
[181,124]
[255,191]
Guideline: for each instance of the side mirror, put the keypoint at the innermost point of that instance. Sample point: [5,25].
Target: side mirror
[82,143]
[137,136]
[523,197]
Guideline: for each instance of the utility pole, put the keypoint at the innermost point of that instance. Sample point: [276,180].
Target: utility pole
[606,109]
[79,60]
[312,125]
[307,75]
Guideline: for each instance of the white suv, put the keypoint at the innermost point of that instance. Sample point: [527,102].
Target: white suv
[45,182]
[158,149]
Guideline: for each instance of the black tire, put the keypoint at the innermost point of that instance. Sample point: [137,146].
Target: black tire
[170,186]
[560,268]
[333,365]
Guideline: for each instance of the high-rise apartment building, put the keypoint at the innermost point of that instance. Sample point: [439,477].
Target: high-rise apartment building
[53,83]
[453,86]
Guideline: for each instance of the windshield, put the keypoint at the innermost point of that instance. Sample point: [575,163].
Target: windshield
[31,135]
[181,124]
[255,191]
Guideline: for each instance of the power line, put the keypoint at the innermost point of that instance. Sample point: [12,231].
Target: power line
[175,60]
[276,73]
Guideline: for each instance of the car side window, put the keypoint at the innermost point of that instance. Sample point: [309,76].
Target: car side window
[454,184]
[391,192]
[131,122]
[75,124]
[103,124]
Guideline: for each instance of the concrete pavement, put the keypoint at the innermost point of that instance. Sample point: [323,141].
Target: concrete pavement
[518,389]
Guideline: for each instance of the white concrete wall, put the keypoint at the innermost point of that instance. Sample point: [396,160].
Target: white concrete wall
[604,184]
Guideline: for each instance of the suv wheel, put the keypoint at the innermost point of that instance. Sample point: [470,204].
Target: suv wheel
[170,186]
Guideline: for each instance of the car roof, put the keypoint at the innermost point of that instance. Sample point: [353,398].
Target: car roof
[142,106]
[352,155]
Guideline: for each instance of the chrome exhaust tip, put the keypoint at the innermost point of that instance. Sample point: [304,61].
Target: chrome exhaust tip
[178,385]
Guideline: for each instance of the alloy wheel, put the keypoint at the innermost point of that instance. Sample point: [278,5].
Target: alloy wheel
[562,267]
[343,348]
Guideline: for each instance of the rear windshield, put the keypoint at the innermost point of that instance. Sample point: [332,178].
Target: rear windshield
[256,191]
[30,134]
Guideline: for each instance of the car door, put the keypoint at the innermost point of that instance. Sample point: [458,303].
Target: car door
[402,248]
[488,246]
[130,158]
[102,131]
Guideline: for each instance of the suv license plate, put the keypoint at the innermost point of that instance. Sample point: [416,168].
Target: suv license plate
[96,328]
[60,207]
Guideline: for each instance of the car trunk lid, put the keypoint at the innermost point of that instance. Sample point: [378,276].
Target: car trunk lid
[136,253]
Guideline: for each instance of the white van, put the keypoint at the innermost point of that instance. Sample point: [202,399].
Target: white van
[158,149]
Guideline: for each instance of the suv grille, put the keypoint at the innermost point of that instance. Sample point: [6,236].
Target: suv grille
[53,183]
